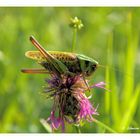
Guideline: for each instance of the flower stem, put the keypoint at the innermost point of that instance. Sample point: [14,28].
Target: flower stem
[77,127]
[74,39]
[105,126]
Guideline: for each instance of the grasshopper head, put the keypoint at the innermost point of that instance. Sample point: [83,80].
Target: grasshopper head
[87,64]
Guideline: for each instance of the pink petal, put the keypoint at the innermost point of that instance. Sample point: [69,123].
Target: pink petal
[100,85]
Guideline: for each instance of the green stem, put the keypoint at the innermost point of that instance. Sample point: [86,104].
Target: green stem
[74,39]
[77,127]
[104,126]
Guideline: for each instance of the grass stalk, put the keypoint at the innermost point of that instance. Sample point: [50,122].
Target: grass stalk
[74,39]
[77,127]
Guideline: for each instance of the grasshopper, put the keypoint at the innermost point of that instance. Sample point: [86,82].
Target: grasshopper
[60,63]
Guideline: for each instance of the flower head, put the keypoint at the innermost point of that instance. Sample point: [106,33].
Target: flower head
[76,23]
[70,102]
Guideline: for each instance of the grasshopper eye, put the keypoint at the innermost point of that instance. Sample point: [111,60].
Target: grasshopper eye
[94,67]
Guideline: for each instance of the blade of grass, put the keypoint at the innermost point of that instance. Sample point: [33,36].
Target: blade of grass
[111,99]
[129,113]
[115,112]
[104,126]
[46,125]
[114,98]
[133,38]
[107,73]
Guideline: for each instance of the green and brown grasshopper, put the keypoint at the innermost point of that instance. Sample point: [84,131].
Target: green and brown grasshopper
[60,63]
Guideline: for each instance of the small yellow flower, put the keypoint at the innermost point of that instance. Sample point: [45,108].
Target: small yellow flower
[76,23]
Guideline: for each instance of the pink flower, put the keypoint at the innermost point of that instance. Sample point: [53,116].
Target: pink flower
[70,102]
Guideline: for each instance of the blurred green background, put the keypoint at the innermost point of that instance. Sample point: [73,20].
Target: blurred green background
[110,35]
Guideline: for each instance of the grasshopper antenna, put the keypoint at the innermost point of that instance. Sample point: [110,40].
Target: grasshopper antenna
[115,69]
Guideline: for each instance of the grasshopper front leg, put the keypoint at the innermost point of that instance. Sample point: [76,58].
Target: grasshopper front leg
[59,67]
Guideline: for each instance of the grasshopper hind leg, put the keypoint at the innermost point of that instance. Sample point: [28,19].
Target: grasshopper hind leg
[35,71]
[57,65]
